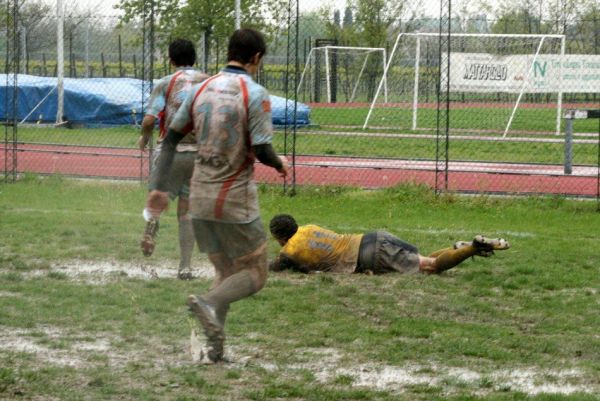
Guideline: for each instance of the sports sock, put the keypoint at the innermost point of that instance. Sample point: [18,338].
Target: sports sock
[452,257]
[439,252]
[186,243]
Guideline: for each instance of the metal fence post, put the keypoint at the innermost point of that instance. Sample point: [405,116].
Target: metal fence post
[443,99]
[568,162]
[291,91]
[10,100]
[147,72]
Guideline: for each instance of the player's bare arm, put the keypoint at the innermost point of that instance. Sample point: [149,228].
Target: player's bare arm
[158,198]
[146,132]
[149,120]
[282,262]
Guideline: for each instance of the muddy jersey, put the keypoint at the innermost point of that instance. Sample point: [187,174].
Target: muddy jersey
[167,96]
[229,113]
[315,248]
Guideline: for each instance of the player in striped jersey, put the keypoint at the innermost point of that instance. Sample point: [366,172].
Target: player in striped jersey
[230,115]
[165,100]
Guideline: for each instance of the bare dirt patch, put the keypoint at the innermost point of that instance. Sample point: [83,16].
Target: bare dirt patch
[326,364]
[83,350]
[100,272]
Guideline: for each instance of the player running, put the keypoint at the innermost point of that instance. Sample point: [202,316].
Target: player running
[230,115]
[164,102]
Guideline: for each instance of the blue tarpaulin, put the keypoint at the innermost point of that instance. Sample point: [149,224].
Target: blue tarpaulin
[100,101]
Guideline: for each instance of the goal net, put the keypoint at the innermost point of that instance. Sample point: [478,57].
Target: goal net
[343,74]
[498,83]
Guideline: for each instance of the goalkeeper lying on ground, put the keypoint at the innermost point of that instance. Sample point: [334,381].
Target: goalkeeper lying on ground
[310,249]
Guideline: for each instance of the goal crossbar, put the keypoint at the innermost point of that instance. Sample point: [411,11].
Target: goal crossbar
[326,49]
[542,37]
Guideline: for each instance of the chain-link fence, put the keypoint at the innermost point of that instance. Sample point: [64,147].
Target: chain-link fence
[402,92]
[462,104]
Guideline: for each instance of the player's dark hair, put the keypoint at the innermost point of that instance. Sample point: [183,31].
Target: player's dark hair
[244,44]
[283,226]
[182,53]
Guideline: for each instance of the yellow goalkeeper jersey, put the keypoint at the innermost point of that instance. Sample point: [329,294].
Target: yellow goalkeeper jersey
[317,248]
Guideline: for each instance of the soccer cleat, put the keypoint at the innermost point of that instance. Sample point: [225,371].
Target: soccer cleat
[462,244]
[479,252]
[185,273]
[486,246]
[213,330]
[147,242]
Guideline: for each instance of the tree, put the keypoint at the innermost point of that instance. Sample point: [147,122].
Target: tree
[377,20]
[32,21]
[312,26]
[587,30]
[337,19]
[348,18]
[211,19]
[517,21]
[3,13]
[166,12]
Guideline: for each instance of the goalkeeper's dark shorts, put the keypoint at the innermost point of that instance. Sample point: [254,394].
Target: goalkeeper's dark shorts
[179,178]
[382,252]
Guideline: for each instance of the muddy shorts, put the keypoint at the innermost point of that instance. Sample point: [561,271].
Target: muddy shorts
[181,173]
[234,240]
[382,252]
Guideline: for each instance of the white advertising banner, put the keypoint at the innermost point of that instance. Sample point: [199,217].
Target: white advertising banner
[549,73]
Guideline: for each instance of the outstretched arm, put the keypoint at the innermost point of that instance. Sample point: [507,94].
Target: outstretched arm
[282,262]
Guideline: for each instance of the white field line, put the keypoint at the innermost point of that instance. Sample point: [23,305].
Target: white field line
[453,232]
[473,137]
[429,165]
[75,212]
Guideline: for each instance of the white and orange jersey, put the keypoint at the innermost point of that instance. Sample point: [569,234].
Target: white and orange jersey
[228,113]
[166,98]
[318,249]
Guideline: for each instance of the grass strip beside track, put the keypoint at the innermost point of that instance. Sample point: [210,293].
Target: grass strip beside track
[375,144]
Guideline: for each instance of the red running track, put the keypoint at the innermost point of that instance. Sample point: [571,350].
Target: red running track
[319,170]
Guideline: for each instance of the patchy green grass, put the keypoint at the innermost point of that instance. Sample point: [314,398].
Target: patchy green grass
[122,136]
[521,325]
[472,118]
[424,147]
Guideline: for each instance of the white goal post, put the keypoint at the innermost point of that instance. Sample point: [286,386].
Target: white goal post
[525,77]
[328,50]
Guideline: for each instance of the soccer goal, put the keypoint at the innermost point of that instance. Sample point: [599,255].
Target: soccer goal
[342,73]
[493,79]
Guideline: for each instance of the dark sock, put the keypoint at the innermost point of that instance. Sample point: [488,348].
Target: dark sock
[439,252]
[452,257]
